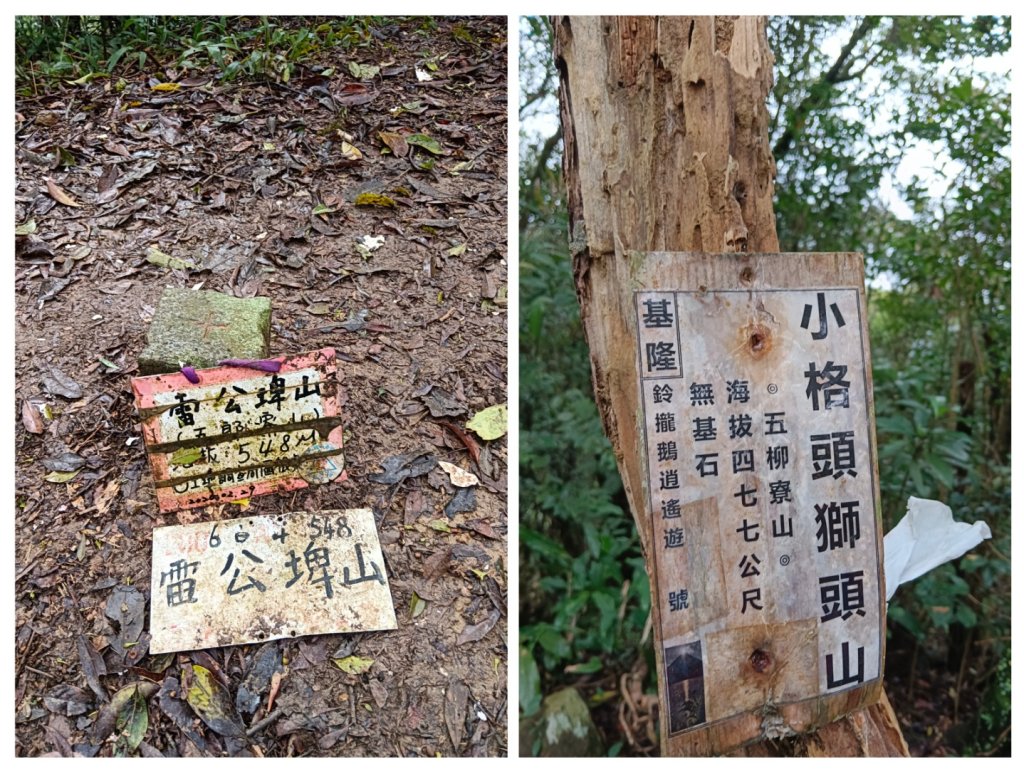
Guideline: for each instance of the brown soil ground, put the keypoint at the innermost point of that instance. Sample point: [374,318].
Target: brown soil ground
[227,175]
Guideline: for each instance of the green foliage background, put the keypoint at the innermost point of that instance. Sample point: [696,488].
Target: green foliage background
[853,98]
[49,48]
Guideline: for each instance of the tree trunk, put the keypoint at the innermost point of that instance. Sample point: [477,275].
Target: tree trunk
[666,149]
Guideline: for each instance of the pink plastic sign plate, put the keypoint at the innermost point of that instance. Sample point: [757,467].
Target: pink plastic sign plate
[241,432]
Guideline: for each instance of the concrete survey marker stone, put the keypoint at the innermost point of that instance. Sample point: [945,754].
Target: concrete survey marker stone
[248,580]
[758,432]
[200,328]
[241,432]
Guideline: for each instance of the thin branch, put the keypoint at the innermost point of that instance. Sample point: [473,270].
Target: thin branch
[840,69]
[539,165]
[545,154]
[867,65]
[839,72]
[264,722]
[542,90]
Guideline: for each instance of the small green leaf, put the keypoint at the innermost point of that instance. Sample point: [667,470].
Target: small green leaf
[213,703]
[61,477]
[156,256]
[374,199]
[458,250]
[132,722]
[109,364]
[354,665]
[553,641]
[440,526]
[27,228]
[416,605]
[424,141]
[491,423]
[363,71]
[322,209]
[186,456]
[85,79]
[593,665]
[530,696]
[600,698]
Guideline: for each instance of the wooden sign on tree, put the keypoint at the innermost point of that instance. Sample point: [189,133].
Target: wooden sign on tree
[718,369]
[753,378]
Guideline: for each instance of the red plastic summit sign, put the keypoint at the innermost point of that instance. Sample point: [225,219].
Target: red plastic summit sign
[240,432]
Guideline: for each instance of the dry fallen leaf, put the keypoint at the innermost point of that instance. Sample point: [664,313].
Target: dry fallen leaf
[455,701]
[106,495]
[275,685]
[436,563]
[379,692]
[350,151]
[31,417]
[395,142]
[459,477]
[61,477]
[478,631]
[60,195]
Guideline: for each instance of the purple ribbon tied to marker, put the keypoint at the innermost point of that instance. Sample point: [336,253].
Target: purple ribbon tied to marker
[261,365]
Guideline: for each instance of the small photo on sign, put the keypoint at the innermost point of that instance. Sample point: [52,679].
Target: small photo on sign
[221,434]
[248,580]
[684,669]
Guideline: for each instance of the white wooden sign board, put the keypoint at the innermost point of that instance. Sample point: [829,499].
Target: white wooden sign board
[761,484]
[247,580]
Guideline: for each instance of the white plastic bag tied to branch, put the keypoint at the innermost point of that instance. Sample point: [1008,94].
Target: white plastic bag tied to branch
[926,537]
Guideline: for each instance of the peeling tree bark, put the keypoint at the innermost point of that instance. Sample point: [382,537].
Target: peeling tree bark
[666,149]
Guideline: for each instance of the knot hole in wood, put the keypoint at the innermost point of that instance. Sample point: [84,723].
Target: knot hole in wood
[761,661]
[757,339]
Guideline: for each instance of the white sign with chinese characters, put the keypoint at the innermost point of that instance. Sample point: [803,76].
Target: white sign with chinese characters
[247,580]
[759,443]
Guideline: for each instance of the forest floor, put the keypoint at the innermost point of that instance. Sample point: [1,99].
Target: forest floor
[255,184]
